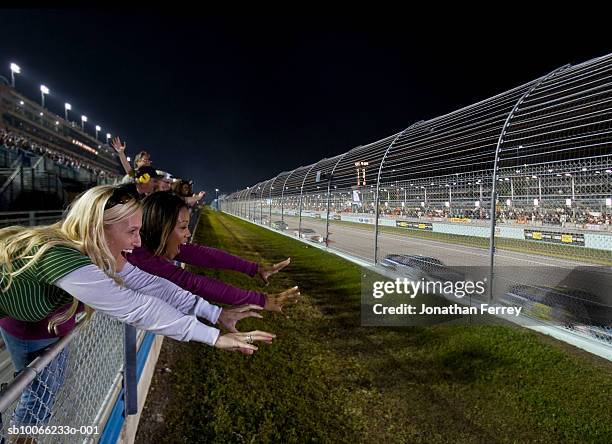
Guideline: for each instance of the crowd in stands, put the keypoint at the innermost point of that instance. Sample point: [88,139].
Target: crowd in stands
[141,171]
[582,216]
[17,142]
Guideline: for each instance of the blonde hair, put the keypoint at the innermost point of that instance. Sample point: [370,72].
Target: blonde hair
[82,229]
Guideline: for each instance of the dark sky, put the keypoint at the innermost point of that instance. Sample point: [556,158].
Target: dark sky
[231,100]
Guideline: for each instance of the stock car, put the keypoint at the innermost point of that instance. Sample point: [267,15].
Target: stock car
[279,225]
[416,267]
[309,234]
[570,307]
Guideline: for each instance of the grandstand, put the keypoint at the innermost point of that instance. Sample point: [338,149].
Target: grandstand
[45,159]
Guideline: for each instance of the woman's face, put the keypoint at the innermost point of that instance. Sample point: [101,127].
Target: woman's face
[180,234]
[123,235]
[143,161]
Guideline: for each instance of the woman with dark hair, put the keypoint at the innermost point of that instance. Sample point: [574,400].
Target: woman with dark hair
[164,235]
[49,273]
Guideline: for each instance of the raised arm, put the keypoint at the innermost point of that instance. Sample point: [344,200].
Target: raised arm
[120,148]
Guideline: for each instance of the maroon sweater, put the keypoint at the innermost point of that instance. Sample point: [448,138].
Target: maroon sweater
[205,257]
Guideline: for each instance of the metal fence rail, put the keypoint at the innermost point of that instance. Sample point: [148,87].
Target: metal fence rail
[73,388]
[521,179]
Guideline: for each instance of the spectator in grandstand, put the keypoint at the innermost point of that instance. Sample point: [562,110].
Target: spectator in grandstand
[17,142]
[80,260]
[164,235]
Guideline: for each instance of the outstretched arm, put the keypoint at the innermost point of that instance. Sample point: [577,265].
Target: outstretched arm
[116,144]
[93,287]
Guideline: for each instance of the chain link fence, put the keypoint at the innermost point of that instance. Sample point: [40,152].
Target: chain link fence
[519,184]
[70,392]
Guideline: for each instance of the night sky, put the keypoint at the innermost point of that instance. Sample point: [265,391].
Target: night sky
[231,100]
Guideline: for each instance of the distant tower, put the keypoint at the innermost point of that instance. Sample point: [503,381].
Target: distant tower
[361,172]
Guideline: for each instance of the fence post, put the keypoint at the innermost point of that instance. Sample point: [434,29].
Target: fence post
[376,198]
[301,194]
[329,182]
[130,380]
[495,167]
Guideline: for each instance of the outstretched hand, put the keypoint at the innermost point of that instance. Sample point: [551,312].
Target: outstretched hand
[275,302]
[243,342]
[229,318]
[265,271]
[116,144]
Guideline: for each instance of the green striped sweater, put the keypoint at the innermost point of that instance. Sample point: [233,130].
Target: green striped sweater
[32,295]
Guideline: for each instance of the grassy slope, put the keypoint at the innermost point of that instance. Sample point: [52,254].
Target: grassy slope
[327,379]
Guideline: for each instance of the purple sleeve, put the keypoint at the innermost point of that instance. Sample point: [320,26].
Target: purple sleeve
[208,288]
[208,257]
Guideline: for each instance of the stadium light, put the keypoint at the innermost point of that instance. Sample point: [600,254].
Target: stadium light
[98,129]
[67,107]
[15,69]
[43,91]
[83,120]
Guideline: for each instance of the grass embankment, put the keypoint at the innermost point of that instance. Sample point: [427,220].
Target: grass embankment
[327,379]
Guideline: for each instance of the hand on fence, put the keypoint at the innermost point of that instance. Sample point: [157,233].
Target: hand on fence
[229,318]
[275,302]
[242,342]
[265,271]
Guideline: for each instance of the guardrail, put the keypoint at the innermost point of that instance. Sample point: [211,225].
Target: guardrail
[522,178]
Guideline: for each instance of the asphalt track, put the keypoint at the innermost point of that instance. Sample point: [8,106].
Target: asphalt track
[511,267]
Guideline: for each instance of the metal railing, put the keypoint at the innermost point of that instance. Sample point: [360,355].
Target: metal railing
[29,218]
[521,179]
[79,384]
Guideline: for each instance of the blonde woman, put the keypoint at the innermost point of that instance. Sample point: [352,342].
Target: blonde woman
[80,260]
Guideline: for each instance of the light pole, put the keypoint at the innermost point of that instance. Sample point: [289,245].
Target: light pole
[43,91]
[15,69]
[98,129]
[216,193]
[67,107]
[83,120]
[108,136]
